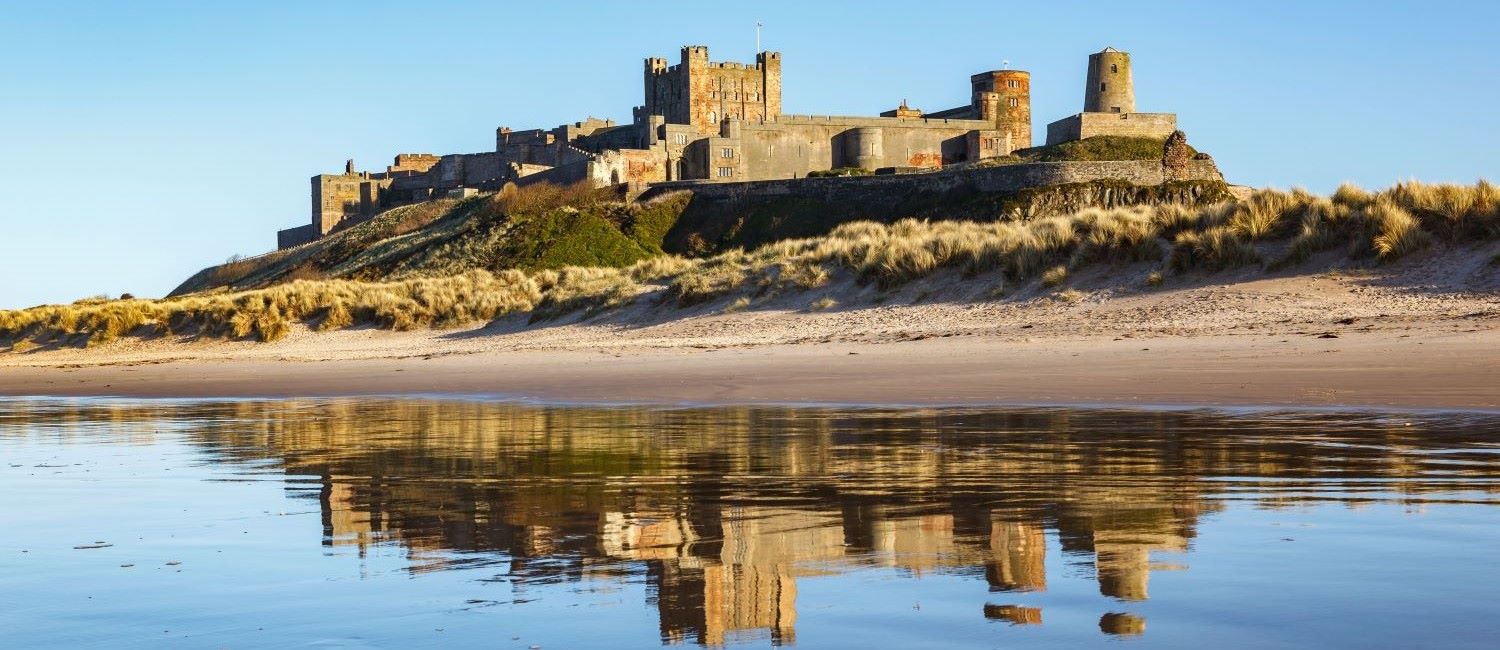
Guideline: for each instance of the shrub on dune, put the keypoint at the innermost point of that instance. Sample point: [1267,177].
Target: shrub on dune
[1213,249]
[1396,231]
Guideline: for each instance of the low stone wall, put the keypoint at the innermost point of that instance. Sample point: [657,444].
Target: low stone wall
[295,236]
[1131,125]
[1003,178]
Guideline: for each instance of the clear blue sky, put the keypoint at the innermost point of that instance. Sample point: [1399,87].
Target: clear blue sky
[142,141]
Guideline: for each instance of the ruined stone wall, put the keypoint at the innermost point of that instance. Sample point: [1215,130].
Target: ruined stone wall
[1177,156]
[1088,125]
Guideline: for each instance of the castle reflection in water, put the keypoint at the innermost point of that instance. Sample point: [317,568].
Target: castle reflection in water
[723,511]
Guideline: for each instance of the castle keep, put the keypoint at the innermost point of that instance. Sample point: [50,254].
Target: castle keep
[710,121]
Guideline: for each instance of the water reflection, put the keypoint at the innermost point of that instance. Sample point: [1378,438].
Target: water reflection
[723,512]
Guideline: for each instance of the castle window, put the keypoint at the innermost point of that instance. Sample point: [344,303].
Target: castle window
[1114,68]
[713,116]
[726,172]
[1014,102]
[1011,83]
[726,152]
[680,138]
[1102,86]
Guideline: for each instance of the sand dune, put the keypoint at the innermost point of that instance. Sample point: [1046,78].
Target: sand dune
[1423,332]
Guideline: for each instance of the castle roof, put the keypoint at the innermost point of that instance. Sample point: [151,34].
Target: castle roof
[1110,49]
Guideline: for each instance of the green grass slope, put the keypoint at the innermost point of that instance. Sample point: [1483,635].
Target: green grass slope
[541,227]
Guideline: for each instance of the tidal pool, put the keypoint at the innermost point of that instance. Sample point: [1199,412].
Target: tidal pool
[444,523]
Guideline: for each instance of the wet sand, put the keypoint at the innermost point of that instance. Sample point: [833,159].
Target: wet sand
[1370,370]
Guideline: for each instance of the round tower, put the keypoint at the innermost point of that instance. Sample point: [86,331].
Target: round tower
[1004,97]
[864,147]
[1110,89]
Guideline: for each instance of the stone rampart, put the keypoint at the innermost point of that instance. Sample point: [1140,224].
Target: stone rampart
[1134,125]
[1004,178]
[295,236]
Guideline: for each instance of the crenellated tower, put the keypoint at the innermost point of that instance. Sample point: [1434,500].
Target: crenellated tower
[703,93]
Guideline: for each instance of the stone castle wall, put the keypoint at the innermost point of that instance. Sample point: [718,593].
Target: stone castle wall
[792,146]
[1088,125]
[999,179]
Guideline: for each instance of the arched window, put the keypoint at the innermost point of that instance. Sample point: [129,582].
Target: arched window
[713,117]
[1114,68]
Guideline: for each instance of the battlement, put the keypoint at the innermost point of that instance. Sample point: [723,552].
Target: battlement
[862,120]
[697,54]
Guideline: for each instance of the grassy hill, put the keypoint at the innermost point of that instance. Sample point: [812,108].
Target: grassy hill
[540,227]
[549,227]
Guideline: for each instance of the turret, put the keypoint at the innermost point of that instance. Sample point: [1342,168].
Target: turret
[695,54]
[1004,98]
[770,65]
[1110,89]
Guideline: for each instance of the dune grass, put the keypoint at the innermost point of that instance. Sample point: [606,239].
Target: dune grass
[1271,228]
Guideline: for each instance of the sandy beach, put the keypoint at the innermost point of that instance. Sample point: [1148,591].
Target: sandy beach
[1420,334]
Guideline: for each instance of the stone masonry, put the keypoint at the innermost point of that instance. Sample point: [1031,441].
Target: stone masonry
[715,122]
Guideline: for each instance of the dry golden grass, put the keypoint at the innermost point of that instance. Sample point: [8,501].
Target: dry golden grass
[824,304]
[1397,232]
[1286,227]
[1055,276]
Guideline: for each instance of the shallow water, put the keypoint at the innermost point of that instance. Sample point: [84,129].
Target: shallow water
[401,523]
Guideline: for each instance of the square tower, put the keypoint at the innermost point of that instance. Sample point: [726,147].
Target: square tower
[703,93]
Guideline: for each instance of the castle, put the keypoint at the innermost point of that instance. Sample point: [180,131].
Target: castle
[715,122]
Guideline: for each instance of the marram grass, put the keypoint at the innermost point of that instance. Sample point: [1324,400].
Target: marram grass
[1270,228]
